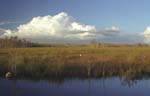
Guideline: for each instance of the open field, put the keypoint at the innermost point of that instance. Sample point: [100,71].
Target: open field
[76,61]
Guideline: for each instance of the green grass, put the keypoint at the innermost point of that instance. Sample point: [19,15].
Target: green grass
[66,61]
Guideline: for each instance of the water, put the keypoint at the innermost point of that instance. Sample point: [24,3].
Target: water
[75,87]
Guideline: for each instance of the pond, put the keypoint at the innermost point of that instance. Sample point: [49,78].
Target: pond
[113,86]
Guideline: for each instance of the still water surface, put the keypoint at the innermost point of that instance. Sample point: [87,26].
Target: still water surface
[75,87]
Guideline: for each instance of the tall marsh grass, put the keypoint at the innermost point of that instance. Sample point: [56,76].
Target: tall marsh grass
[67,62]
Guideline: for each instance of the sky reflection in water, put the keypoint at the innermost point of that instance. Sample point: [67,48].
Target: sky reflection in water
[75,87]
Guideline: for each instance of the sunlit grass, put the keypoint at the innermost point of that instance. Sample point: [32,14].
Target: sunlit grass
[66,61]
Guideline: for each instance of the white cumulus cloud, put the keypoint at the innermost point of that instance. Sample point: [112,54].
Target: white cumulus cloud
[146,34]
[60,26]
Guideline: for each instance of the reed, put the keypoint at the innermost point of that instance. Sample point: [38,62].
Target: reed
[76,61]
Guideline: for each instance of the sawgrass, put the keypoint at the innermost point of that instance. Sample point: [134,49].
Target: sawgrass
[76,61]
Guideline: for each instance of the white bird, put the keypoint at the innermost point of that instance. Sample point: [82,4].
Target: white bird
[80,55]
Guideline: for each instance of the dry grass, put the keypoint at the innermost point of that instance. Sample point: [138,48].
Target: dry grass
[66,61]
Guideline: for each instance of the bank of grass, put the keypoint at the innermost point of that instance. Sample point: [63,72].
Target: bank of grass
[76,61]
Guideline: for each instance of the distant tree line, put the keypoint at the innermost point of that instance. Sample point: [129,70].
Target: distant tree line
[12,42]
[15,42]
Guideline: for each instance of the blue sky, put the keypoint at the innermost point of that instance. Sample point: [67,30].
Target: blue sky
[131,16]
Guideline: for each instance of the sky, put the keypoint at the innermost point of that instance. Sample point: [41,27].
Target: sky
[63,21]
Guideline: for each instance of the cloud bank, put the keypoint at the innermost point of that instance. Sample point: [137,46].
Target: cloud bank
[62,28]
[59,27]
